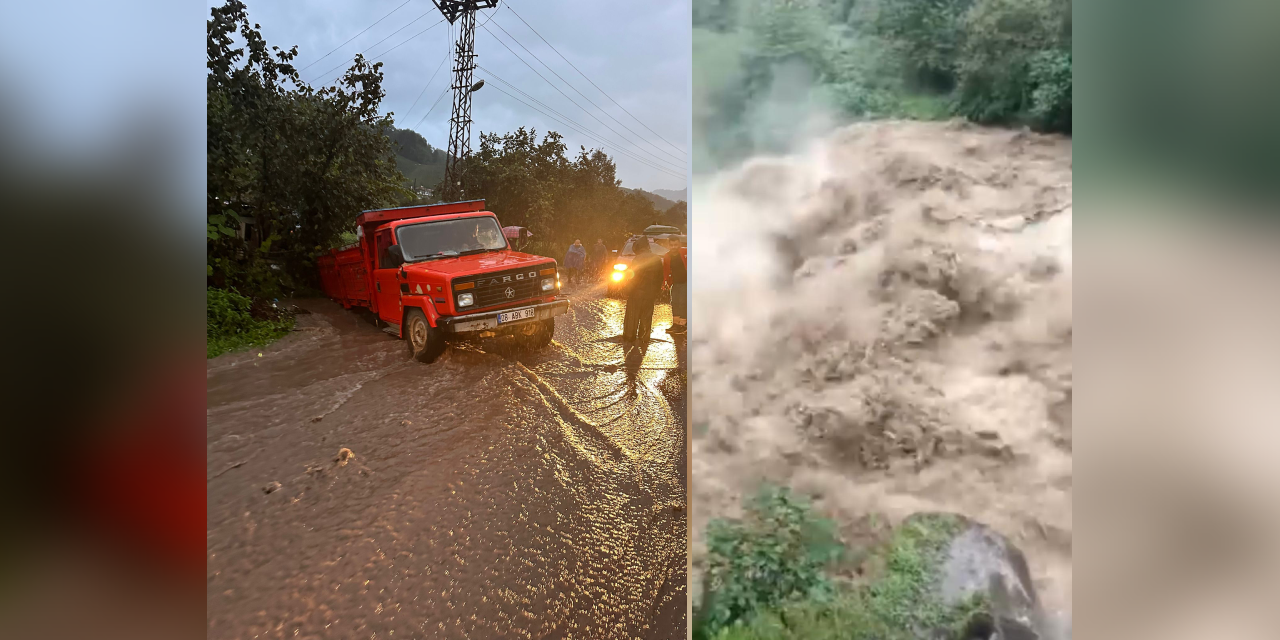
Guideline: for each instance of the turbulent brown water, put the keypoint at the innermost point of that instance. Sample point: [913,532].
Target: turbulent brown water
[888,327]
[493,494]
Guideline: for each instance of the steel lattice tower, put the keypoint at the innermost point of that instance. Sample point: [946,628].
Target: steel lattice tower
[462,12]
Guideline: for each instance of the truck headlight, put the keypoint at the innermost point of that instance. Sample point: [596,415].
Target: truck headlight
[466,300]
[617,276]
[548,284]
[619,267]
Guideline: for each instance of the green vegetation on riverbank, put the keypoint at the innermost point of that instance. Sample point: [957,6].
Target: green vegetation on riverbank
[235,322]
[765,69]
[769,579]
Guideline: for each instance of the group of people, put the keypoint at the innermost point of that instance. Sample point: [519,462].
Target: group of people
[647,276]
[579,264]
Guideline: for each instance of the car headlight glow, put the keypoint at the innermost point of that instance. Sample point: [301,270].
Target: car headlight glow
[548,284]
[466,300]
[617,276]
[619,267]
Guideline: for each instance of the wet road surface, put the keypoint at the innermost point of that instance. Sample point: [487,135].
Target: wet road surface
[493,494]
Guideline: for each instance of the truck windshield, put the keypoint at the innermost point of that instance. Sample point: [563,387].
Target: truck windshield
[448,238]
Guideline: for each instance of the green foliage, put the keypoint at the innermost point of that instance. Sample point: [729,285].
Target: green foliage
[926,36]
[778,553]
[767,560]
[531,182]
[296,161]
[1010,47]
[1051,98]
[231,323]
[992,61]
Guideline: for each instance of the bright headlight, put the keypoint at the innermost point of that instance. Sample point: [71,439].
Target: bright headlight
[466,300]
[548,284]
[620,267]
[617,276]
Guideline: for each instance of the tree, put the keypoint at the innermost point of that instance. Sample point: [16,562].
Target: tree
[297,162]
[531,182]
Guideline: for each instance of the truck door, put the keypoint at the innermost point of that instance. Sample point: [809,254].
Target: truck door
[386,288]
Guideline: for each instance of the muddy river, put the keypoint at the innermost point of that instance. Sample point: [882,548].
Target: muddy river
[354,492]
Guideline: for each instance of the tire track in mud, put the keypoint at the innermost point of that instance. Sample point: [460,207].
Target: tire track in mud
[466,510]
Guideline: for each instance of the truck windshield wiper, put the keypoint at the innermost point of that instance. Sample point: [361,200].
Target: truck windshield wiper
[443,254]
[473,251]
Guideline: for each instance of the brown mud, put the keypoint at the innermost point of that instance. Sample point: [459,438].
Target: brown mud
[889,329]
[353,492]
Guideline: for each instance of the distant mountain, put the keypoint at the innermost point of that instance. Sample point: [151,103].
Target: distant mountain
[660,203]
[416,158]
[672,195]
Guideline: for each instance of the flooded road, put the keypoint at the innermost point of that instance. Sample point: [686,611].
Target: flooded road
[493,494]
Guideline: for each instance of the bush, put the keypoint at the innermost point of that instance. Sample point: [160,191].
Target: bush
[1013,68]
[233,321]
[780,552]
[900,604]
[1051,98]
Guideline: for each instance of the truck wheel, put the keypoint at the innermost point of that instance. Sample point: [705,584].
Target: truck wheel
[542,336]
[426,343]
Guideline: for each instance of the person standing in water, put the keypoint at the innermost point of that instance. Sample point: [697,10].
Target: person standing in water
[599,256]
[575,260]
[646,283]
[679,288]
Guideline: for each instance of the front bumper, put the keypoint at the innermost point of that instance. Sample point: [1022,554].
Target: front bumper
[488,320]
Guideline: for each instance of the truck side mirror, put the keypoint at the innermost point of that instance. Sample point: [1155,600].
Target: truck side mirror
[396,254]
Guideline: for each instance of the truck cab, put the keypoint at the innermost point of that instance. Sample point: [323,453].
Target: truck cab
[445,272]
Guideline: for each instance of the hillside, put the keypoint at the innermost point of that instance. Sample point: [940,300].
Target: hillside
[427,175]
[672,194]
[416,158]
[660,203]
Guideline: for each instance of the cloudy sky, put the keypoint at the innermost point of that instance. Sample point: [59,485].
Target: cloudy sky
[637,52]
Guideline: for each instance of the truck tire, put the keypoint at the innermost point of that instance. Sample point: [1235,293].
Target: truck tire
[542,336]
[426,342]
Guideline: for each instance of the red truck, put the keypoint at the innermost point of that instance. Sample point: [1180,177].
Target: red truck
[444,272]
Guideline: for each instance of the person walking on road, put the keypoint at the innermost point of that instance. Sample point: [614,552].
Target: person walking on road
[646,284]
[575,260]
[679,288]
[599,256]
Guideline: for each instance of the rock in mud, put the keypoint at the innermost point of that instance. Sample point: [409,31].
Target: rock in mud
[344,456]
[977,562]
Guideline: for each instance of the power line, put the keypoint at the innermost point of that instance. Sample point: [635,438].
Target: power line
[595,137]
[579,126]
[584,76]
[588,135]
[428,84]
[354,37]
[449,45]
[402,28]
[327,73]
[553,86]
[433,108]
[584,96]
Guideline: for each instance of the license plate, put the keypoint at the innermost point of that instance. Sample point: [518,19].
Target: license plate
[518,314]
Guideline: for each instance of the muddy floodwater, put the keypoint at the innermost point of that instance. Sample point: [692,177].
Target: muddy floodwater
[354,492]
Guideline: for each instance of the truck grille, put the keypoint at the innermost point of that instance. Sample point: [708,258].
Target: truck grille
[503,287]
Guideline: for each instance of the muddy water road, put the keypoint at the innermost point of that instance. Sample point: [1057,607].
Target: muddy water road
[493,494]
